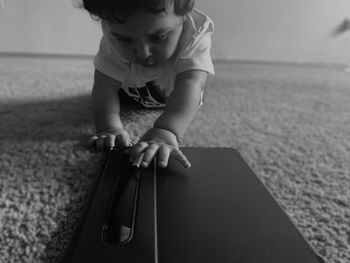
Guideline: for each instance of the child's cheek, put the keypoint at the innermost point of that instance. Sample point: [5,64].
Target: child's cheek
[168,48]
[126,51]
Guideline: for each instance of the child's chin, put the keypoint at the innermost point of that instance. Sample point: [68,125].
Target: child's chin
[148,65]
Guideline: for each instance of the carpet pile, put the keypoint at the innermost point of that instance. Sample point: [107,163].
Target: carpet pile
[290,122]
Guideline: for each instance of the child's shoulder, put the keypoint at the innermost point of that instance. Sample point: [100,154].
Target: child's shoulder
[194,47]
[199,21]
[196,26]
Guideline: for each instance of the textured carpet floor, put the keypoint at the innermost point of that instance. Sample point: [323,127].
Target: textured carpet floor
[291,123]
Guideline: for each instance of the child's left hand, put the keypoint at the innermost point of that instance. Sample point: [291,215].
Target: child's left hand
[159,141]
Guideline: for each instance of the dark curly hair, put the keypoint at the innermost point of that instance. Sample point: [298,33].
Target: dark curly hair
[120,10]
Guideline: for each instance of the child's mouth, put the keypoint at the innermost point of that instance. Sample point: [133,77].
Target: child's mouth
[147,63]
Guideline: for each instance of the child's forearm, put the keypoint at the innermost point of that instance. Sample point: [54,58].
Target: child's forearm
[106,118]
[105,102]
[176,122]
[107,122]
[183,103]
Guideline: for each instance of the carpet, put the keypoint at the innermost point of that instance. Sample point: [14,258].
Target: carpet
[290,122]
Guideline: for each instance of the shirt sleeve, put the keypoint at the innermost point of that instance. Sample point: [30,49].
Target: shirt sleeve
[108,61]
[196,56]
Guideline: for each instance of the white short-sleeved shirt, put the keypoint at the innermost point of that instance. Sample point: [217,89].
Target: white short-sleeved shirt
[151,86]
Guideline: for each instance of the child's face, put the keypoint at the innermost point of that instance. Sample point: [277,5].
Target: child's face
[147,39]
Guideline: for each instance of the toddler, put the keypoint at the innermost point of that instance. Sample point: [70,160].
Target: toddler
[157,53]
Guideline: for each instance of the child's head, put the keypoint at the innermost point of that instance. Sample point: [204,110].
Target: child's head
[145,31]
[120,10]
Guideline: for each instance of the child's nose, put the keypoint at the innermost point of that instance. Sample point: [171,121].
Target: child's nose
[143,50]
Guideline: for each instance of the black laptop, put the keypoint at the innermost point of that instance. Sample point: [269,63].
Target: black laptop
[217,211]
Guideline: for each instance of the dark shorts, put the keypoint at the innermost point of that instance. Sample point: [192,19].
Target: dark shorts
[124,98]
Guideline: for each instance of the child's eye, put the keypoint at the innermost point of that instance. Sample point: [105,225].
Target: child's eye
[159,37]
[124,39]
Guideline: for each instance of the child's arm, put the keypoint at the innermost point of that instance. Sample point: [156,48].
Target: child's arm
[106,109]
[183,102]
[173,123]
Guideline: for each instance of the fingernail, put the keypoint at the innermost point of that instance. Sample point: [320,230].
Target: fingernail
[137,162]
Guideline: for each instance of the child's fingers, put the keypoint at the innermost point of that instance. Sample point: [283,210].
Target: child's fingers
[149,153]
[124,139]
[179,156]
[137,150]
[138,161]
[96,143]
[163,155]
[100,143]
[109,141]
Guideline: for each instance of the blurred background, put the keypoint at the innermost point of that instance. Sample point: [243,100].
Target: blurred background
[299,31]
[290,120]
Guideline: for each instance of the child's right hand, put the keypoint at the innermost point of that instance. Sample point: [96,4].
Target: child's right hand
[104,140]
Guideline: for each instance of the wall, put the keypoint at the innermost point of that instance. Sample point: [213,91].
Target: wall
[47,26]
[287,30]
[284,30]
